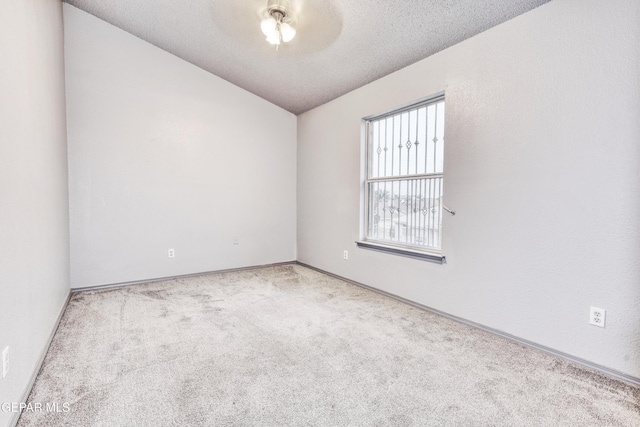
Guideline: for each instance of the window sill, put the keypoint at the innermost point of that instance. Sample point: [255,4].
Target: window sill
[410,253]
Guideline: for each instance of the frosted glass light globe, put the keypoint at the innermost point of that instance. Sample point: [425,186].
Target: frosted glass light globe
[274,37]
[288,32]
[268,26]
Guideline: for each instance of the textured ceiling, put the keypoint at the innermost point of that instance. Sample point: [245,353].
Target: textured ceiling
[340,44]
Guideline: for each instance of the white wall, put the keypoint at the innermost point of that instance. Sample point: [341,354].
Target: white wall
[542,164]
[34,217]
[165,155]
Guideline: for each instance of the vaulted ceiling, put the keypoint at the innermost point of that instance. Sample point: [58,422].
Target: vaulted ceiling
[340,44]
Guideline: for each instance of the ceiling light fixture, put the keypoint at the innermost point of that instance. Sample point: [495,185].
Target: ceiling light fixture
[277,21]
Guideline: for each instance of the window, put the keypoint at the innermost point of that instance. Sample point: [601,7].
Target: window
[404,180]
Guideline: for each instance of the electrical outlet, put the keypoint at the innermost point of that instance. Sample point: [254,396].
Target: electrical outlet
[172,253]
[5,362]
[345,255]
[597,316]
[236,240]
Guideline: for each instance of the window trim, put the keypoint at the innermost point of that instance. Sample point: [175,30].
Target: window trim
[411,251]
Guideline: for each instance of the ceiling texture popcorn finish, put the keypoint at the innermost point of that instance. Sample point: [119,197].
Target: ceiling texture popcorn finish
[340,44]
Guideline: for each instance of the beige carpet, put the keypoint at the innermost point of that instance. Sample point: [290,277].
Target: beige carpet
[290,346]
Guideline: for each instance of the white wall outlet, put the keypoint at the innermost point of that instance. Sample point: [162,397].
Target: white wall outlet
[236,240]
[5,362]
[172,253]
[345,255]
[596,316]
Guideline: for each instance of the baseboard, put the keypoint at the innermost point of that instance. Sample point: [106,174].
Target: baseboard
[576,360]
[182,276]
[612,373]
[25,395]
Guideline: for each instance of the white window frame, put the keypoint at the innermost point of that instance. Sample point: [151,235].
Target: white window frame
[423,252]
